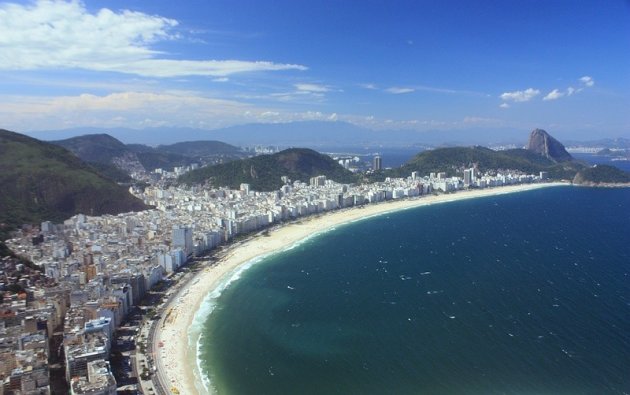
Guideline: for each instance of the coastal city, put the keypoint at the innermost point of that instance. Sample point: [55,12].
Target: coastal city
[314,197]
[103,286]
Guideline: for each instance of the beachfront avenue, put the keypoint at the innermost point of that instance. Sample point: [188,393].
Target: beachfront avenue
[109,266]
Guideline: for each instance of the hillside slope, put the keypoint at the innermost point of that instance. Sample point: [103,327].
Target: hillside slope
[454,160]
[601,174]
[264,172]
[41,181]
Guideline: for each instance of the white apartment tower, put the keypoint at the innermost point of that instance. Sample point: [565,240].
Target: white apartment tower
[182,238]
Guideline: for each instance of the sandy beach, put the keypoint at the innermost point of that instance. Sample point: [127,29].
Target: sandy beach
[176,359]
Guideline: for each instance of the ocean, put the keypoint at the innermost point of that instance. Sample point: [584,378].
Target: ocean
[525,293]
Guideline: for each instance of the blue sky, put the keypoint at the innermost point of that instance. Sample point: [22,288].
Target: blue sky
[418,65]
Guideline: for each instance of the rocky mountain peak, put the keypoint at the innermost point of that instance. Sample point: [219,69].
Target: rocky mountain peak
[543,144]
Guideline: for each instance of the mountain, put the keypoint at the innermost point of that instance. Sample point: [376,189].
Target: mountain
[197,149]
[542,143]
[264,172]
[453,160]
[101,148]
[601,174]
[321,135]
[111,154]
[324,135]
[619,142]
[42,181]
[106,154]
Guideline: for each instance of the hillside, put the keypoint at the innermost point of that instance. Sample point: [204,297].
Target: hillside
[111,153]
[100,148]
[106,154]
[454,160]
[264,172]
[601,174]
[41,181]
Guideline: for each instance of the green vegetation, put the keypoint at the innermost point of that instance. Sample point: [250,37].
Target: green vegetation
[99,148]
[601,174]
[42,181]
[264,172]
[103,148]
[112,172]
[454,160]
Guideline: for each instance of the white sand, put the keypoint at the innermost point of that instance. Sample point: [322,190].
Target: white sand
[176,360]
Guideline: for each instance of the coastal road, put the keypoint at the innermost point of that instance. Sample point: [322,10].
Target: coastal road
[160,379]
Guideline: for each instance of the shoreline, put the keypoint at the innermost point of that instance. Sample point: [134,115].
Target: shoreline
[178,331]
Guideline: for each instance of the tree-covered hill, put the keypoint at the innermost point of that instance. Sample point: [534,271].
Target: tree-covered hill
[100,148]
[264,172]
[42,181]
[602,174]
[453,160]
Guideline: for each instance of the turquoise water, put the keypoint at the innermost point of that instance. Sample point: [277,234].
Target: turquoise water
[526,293]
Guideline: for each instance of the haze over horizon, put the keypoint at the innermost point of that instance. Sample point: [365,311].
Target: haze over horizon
[413,66]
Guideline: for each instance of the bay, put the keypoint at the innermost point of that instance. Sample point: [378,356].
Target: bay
[521,293]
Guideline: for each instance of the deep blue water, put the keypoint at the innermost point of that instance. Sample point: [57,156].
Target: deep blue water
[526,293]
[603,160]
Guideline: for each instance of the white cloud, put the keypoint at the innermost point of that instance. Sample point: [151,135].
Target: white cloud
[367,86]
[57,34]
[504,105]
[587,81]
[397,90]
[140,110]
[553,95]
[311,88]
[124,109]
[520,96]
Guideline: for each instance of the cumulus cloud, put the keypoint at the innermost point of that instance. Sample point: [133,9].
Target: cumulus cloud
[587,81]
[504,105]
[520,96]
[57,34]
[398,90]
[553,95]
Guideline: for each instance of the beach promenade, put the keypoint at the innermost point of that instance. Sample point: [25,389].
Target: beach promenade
[174,343]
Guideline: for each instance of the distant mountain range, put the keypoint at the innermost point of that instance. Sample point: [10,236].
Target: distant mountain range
[109,152]
[263,173]
[42,181]
[319,135]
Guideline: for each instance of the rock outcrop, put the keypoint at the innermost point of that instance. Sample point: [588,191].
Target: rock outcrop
[543,144]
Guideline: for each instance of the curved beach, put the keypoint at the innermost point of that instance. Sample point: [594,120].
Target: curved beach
[176,360]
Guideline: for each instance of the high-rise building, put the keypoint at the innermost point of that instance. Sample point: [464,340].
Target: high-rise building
[468,177]
[378,163]
[318,181]
[182,238]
